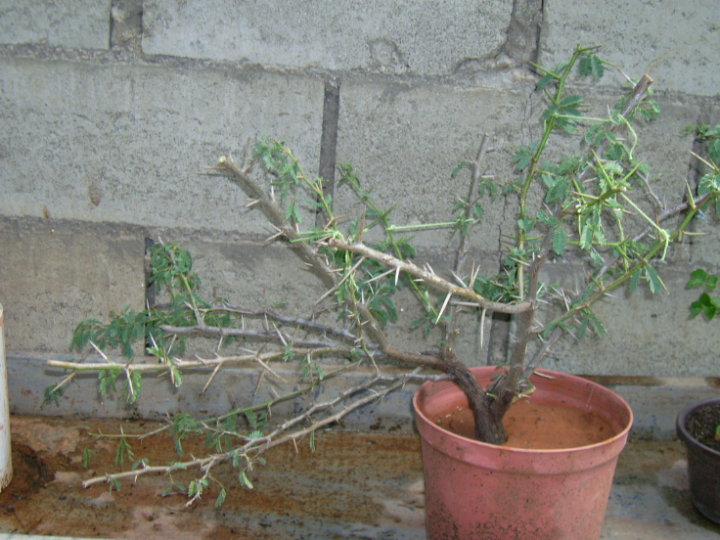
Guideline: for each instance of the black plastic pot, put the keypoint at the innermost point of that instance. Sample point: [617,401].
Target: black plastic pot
[703,465]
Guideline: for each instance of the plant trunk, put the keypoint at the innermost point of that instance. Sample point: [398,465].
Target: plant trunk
[488,419]
[490,405]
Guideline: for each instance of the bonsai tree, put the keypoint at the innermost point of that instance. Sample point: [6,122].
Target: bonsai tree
[597,205]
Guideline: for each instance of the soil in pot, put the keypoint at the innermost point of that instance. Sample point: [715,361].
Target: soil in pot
[702,424]
[537,425]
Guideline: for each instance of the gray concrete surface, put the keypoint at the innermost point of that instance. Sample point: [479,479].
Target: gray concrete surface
[662,38]
[56,274]
[393,37]
[131,143]
[81,24]
[112,111]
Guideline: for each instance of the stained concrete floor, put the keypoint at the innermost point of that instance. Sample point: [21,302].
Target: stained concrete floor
[354,485]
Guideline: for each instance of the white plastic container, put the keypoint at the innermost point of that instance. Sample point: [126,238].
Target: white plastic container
[5,455]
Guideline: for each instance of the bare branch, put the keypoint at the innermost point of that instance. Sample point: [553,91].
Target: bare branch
[308,324]
[238,332]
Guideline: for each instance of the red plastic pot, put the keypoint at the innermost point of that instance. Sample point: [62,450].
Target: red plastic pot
[479,490]
[703,465]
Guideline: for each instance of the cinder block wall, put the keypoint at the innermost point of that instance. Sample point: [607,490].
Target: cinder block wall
[111,111]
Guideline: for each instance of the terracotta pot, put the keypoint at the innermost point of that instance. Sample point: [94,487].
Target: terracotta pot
[478,490]
[703,466]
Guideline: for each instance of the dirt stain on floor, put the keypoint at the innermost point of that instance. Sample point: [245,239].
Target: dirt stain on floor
[350,478]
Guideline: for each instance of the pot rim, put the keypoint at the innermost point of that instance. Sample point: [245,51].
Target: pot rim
[684,434]
[618,438]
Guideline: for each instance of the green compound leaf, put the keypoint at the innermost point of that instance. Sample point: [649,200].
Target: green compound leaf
[591,66]
[559,241]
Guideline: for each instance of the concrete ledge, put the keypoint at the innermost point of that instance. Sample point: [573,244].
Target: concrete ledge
[655,402]
[29,375]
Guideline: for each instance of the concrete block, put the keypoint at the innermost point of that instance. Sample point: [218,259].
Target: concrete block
[646,335]
[56,274]
[404,142]
[675,43]
[131,143]
[82,24]
[423,37]
[245,272]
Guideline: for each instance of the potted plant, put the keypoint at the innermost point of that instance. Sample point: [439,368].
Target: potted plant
[698,425]
[594,206]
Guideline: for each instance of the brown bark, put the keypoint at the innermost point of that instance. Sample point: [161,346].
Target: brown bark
[488,426]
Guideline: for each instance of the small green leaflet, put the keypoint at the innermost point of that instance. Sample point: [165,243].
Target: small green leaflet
[197,487]
[559,241]
[220,498]
[526,224]
[714,149]
[244,480]
[705,304]
[52,394]
[654,281]
[634,280]
[460,166]
[524,156]
[558,187]
[591,66]
[701,278]
[124,450]
[586,237]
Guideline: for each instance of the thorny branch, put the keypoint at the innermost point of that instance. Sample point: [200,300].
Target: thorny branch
[198,363]
[368,324]
[432,279]
[280,435]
